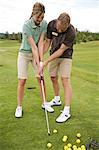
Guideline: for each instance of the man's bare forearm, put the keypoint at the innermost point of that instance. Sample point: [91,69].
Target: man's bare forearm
[56,54]
[47,43]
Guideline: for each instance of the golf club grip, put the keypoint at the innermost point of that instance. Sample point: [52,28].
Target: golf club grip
[41,77]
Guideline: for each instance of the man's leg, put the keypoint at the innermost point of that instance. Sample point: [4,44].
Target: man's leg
[55,85]
[53,72]
[67,90]
[56,101]
[65,77]
[67,94]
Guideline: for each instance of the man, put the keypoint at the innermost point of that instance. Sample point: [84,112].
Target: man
[60,37]
[31,51]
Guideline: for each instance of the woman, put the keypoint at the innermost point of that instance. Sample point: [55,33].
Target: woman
[31,50]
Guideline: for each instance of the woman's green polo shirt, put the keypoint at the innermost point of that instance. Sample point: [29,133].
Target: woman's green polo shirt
[31,30]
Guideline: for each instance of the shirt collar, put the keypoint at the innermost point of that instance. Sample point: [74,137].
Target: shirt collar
[33,24]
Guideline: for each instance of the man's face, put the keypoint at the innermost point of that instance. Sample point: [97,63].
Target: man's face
[38,19]
[61,27]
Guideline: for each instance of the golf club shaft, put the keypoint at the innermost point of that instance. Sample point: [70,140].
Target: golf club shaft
[43,93]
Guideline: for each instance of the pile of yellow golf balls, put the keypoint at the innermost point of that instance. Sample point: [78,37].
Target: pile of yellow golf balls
[68,145]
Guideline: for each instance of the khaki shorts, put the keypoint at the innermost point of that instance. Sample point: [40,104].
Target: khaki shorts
[23,62]
[61,65]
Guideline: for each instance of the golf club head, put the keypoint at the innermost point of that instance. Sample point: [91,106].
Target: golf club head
[49,133]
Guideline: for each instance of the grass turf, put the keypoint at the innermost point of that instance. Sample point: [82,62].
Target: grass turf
[29,132]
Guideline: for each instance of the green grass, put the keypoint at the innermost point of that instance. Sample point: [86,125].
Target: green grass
[29,132]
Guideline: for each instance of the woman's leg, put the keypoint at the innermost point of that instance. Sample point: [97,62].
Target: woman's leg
[20,91]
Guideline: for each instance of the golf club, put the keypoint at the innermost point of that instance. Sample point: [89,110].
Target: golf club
[43,93]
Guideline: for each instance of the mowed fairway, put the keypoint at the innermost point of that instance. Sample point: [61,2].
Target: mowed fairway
[30,132]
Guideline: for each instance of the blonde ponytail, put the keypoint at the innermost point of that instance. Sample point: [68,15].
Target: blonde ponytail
[38,9]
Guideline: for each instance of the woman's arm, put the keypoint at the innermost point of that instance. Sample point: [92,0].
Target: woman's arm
[41,46]
[34,50]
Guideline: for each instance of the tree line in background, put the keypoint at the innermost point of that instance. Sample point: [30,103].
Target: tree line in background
[12,36]
[82,36]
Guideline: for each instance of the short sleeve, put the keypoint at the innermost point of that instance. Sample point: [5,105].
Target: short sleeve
[49,32]
[69,39]
[26,31]
[44,27]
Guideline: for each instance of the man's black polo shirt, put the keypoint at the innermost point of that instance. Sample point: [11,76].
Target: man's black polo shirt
[57,39]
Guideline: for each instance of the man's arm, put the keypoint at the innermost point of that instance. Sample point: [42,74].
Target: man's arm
[56,54]
[47,44]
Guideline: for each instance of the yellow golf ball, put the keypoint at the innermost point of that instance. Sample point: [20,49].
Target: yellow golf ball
[65,147]
[69,145]
[78,135]
[83,147]
[74,146]
[49,145]
[78,141]
[79,148]
[54,131]
[64,138]
[69,148]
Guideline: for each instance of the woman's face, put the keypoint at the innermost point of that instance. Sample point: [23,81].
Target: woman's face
[38,19]
[61,27]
